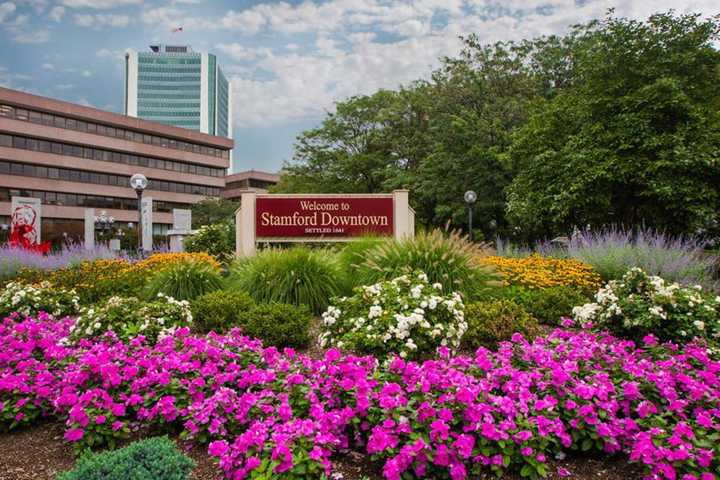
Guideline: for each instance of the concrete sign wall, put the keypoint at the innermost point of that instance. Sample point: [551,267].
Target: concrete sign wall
[89,239]
[147,223]
[320,218]
[26,216]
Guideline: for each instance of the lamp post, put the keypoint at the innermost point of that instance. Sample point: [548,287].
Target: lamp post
[470,198]
[104,223]
[139,182]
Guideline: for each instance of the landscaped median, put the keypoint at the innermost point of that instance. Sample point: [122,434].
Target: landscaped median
[266,413]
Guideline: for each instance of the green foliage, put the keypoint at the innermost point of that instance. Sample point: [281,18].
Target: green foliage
[129,317]
[298,275]
[496,321]
[217,239]
[352,254]
[220,310]
[640,304]
[449,259]
[184,280]
[277,324]
[547,305]
[634,139]
[407,316]
[29,300]
[210,211]
[154,458]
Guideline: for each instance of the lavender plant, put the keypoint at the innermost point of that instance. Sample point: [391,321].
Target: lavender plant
[13,259]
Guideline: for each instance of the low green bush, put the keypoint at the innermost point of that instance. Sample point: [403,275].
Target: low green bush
[217,239]
[184,280]
[151,459]
[446,258]
[277,324]
[218,311]
[129,317]
[547,305]
[640,304]
[298,275]
[353,254]
[496,321]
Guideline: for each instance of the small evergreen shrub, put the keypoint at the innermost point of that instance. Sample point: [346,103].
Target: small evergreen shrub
[496,321]
[154,458]
[640,304]
[548,305]
[407,316]
[451,260]
[277,324]
[218,311]
[129,317]
[29,300]
[184,280]
[299,276]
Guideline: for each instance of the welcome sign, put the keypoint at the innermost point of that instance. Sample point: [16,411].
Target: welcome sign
[331,217]
[315,216]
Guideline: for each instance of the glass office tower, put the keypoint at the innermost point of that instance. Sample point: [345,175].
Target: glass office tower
[176,86]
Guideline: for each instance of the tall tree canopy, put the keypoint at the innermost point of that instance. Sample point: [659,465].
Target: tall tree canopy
[617,121]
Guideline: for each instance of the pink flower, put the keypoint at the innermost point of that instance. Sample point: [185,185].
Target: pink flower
[217,448]
[74,434]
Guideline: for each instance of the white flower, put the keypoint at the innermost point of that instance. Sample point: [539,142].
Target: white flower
[699,324]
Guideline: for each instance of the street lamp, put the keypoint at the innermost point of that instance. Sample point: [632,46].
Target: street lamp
[139,182]
[470,198]
[104,223]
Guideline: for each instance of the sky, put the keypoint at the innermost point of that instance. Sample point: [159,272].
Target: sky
[289,62]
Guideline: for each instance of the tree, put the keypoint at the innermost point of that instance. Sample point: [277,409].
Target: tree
[633,138]
[213,210]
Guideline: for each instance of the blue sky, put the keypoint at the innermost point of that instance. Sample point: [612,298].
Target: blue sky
[288,61]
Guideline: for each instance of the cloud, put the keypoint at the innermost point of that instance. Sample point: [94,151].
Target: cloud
[6,9]
[48,66]
[86,73]
[65,86]
[113,54]
[101,20]
[57,13]
[240,52]
[99,4]
[38,36]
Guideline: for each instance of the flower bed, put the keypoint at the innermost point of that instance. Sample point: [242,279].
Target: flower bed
[536,271]
[280,414]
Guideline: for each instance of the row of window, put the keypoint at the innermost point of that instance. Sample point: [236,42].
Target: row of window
[168,69]
[170,96]
[45,146]
[164,87]
[84,176]
[167,105]
[173,78]
[249,182]
[59,121]
[167,113]
[88,201]
[168,61]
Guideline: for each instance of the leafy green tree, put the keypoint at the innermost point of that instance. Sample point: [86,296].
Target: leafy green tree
[632,138]
[213,210]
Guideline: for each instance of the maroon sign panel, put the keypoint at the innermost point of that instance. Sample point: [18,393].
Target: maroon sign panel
[323,217]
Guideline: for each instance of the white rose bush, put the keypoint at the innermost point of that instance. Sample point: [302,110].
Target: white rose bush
[406,316]
[129,317]
[640,304]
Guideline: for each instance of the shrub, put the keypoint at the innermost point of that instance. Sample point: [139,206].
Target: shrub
[450,260]
[217,240]
[535,271]
[614,251]
[277,324]
[496,321]
[29,300]
[154,458]
[640,304]
[352,255]
[184,280]
[406,316]
[299,276]
[219,311]
[548,305]
[129,317]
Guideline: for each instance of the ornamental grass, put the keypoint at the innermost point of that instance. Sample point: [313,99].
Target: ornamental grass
[539,272]
[265,413]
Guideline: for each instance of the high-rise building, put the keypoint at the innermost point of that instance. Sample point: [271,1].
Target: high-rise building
[176,86]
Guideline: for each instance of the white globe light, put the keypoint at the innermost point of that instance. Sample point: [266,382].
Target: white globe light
[470,196]
[139,181]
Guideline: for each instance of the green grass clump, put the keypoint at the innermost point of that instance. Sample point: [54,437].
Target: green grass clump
[218,311]
[152,459]
[496,321]
[185,280]
[449,259]
[277,324]
[298,276]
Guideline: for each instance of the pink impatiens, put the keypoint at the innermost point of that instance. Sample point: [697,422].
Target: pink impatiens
[451,417]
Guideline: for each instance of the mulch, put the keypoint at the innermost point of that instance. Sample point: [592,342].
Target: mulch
[40,453]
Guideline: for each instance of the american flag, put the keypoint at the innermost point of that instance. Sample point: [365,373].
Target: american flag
[177,29]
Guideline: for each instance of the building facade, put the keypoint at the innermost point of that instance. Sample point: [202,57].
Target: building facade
[176,86]
[250,180]
[73,157]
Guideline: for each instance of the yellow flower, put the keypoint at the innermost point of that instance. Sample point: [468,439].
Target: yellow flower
[536,271]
